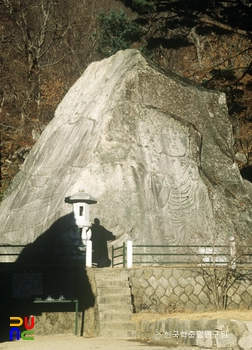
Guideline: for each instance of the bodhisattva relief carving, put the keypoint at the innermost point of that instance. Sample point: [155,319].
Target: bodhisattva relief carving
[183,207]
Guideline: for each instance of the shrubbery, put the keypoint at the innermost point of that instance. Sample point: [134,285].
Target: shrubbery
[118,32]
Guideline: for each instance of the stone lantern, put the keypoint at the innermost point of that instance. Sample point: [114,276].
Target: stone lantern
[81,202]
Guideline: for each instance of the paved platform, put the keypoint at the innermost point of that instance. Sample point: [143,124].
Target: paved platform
[66,342]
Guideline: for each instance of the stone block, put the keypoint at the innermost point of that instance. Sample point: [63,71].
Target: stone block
[201,307]
[164,300]
[144,283]
[169,291]
[245,341]
[200,280]
[173,281]
[194,299]
[144,303]
[154,282]
[178,291]
[237,327]
[167,273]
[197,289]
[203,298]
[202,341]
[139,292]
[162,308]
[135,283]
[177,273]
[137,273]
[182,282]
[190,281]
[236,298]
[160,291]
[231,291]
[249,326]
[184,298]
[157,272]
[188,289]
[147,274]
[190,306]
[246,298]
[149,291]
[164,282]
[231,305]
[241,289]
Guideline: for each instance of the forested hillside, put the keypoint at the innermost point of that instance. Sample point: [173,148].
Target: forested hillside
[45,45]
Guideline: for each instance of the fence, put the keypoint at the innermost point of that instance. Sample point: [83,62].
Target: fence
[43,254]
[128,255]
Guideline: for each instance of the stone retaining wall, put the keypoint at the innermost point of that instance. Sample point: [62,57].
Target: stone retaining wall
[55,323]
[202,333]
[154,289]
[64,322]
[163,289]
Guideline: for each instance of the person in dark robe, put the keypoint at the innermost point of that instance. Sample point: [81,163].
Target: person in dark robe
[99,239]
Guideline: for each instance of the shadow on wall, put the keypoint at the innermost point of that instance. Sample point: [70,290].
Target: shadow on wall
[52,268]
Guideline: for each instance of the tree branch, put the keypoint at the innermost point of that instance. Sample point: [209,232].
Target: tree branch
[224,26]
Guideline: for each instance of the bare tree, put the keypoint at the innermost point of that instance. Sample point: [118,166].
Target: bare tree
[36,28]
[222,267]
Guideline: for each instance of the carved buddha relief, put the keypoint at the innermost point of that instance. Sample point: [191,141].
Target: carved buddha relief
[183,207]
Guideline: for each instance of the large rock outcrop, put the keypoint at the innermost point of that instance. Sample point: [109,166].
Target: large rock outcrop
[153,148]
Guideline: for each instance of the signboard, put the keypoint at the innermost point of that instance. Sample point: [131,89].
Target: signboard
[27,284]
[35,283]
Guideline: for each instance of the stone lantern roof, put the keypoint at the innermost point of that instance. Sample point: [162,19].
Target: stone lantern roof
[81,197]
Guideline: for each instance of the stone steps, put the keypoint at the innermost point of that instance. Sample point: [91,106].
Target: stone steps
[112,284]
[114,303]
[115,316]
[113,299]
[108,291]
[115,308]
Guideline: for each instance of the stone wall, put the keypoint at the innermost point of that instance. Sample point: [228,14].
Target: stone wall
[64,322]
[56,323]
[154,289]
[164,289]
[202,333]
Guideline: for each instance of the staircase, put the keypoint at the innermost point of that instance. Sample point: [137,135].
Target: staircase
[114,303]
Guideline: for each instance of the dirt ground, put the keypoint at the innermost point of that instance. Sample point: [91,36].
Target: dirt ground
[245,315]
[68,341]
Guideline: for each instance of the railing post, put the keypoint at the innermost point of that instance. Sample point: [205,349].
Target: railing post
[233,252]
[112,257]
[89,253]
[129,254]
[124,254]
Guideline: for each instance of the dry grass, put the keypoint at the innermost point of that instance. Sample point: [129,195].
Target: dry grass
[244,315]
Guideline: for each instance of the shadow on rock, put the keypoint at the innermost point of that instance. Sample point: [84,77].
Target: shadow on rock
[47,274]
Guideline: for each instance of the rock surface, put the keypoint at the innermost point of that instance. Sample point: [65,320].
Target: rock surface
[152,147]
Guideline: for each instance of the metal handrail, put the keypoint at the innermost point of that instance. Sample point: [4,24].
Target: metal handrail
[42,250]
[215,257]
[179,246]
[123,255]
[121,252]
